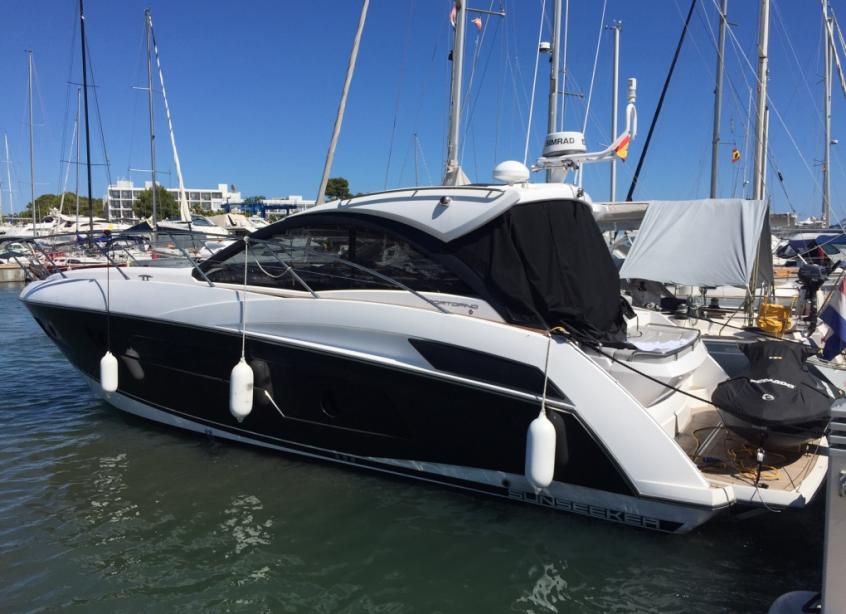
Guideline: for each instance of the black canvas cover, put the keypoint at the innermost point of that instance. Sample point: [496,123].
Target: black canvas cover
[546,264]
[776,391]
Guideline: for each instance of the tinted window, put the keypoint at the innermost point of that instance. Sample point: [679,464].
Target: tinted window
[337,257]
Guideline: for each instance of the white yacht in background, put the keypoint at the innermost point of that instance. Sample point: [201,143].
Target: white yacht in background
[197,224]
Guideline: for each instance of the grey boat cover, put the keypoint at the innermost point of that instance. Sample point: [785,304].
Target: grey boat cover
[708,242]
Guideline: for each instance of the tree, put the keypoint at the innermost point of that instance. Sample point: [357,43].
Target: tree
[45,203]
[166,205]
[338,187]
[253,200]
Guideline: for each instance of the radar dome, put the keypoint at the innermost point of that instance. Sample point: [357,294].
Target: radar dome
[511,171]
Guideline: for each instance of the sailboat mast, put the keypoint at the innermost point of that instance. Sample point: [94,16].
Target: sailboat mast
[564,63]
[31,150]
[184,211]
[551,123]
[615,95]
[87,132]
[148,25]
[8,173]
[718,97]
[339,118]
[826,196]
[760,119]
[452,165]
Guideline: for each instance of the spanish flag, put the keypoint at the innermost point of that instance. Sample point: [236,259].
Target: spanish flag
[735,155]
[622,149]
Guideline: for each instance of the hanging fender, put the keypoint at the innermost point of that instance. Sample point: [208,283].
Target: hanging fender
[540,452]
[241,390]
[108,372]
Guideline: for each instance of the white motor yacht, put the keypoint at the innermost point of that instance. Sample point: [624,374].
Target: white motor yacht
[471,336]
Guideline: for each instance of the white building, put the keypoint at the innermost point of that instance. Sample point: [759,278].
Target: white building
[121,196]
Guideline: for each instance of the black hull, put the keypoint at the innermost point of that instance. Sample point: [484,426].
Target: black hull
[335,407]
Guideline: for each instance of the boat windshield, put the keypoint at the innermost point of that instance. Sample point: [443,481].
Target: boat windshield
[336,257]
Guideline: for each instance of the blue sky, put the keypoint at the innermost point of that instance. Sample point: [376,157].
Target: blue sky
[254,87]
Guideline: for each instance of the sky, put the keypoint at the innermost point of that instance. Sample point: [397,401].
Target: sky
[254,88]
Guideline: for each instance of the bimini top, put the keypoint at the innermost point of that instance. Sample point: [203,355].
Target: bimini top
[535,254]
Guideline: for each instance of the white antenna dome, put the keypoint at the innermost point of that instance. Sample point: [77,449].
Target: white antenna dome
[511,171]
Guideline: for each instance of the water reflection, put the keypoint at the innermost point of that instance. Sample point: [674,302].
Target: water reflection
[246,530]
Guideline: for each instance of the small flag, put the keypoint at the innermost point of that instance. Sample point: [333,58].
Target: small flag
[452,15]
[735,155]
[477,22]
[834,315]
[622,150]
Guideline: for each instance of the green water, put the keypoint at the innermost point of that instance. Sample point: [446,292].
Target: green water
[104,512]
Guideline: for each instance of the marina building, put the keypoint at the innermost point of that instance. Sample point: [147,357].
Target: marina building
[122,195]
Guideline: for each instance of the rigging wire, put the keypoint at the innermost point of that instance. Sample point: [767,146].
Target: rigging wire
[469,113]
[94,87]
[595,62]
[500,94]
[517,79]
[660,103]
[403,62]
[534,83]
[423,158]
[139,54]
[72,57]
[64,184]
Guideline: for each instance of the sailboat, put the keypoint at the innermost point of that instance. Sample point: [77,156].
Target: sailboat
[188,222]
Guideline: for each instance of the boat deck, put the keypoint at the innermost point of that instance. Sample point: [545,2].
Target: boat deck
[726,458]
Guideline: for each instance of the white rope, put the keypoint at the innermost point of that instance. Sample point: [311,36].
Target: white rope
[534,84]
[546,373]
[595,62]
[244,301]
[108,303]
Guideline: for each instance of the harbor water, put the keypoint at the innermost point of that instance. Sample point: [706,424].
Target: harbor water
[100,511]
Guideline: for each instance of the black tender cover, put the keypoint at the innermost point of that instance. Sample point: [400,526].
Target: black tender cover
[776,390]
[546,264]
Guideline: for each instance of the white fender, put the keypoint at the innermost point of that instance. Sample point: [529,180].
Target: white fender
[108,372]
[540,452]
[241,390]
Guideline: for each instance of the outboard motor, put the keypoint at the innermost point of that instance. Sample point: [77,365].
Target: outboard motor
[811,278]
[775,402]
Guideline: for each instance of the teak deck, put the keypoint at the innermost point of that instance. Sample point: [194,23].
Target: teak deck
[729,459]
